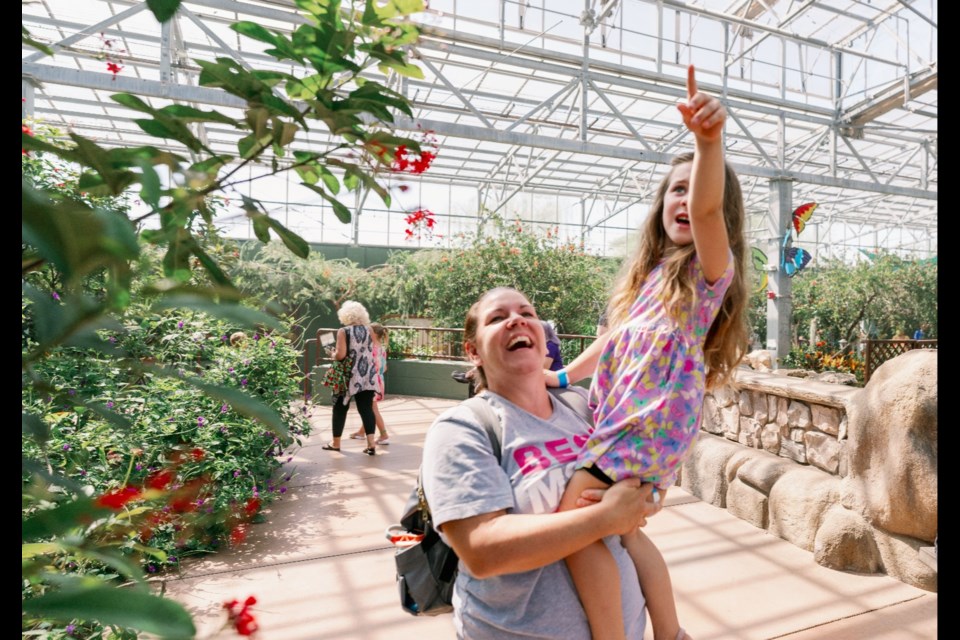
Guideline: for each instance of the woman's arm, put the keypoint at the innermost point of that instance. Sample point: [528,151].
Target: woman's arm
[341,351]
[497,543]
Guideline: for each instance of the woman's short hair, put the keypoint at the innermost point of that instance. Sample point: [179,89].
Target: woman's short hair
[351,312]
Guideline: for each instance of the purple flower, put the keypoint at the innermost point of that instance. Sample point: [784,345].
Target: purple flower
[56,296]
[224,338]
[172,559]
[66,447]
[180,325]
[70,629]
[290,458]
[199,421]
[112,340]
[82,473]
[236,473]
[139,467]
[224,409]
[72,392]
[283,489]
[256,336]
[230,370]
[109,404]
[272,344]
[199,502]
[151,568]
[243,382]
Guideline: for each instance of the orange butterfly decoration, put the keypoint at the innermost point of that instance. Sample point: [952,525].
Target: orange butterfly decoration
[801,215]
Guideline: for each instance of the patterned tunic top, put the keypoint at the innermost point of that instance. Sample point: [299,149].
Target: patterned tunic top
[648,389]
[364,374]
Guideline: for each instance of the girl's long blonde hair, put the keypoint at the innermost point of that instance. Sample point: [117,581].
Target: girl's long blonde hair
[727,339]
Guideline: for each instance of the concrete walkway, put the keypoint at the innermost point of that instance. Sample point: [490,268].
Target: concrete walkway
[320,566]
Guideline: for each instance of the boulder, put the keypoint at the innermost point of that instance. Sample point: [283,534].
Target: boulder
[845,541]
[892,453]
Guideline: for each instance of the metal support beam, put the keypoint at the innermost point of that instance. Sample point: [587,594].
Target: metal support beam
[779,307]
[96,28]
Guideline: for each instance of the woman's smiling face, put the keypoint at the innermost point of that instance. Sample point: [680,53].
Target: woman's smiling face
[509,339]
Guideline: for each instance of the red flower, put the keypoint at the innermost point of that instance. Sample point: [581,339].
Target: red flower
[117,498]
[252,506]
[160,479]
[771,295]
[197,454]
[240,616]
[114,68]
[27,130]
[239,534]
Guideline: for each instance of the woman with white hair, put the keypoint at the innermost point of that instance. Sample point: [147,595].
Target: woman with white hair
[355,340]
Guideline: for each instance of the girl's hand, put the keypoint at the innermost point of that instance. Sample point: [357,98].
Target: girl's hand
[702,114]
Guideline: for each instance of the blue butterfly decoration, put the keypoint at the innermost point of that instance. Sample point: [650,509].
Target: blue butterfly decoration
[793,259]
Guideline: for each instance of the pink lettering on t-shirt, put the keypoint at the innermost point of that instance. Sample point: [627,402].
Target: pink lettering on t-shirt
[530,459]
[561,450]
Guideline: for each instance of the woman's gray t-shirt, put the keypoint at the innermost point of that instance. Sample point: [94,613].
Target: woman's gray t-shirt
[461,479]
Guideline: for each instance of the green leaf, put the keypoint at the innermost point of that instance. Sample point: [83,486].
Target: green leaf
[341,211]
[261,228]
[190,114]
[31,425]
[238,313]
[27,40]
[61,519]
[163,10]
[243,404]
[149,185]
[211,266]
[134,608]
[255,31]
[132,102]
[295,243]
[32,549]
[329,180]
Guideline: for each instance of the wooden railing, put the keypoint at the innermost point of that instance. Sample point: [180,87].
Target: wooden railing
[876,352]
[422,343]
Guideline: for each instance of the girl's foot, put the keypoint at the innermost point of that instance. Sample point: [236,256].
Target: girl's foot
[329,447]
[359,435]
[383,440]
[370,451]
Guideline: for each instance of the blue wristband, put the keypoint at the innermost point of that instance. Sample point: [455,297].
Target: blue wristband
[562,378]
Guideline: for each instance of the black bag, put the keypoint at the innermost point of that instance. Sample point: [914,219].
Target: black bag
[427,569]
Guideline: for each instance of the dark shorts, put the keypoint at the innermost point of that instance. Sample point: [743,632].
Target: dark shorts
[599,475]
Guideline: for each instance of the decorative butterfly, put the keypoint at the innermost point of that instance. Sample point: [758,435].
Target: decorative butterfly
[760,263]
[801,215]
[793,259]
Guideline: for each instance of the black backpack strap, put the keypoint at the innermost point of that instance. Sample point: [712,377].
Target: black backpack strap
[574,400]
[490,421]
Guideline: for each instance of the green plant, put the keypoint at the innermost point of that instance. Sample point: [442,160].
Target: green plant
[124,368]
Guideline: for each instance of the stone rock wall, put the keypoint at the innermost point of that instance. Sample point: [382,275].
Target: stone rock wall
[849,474]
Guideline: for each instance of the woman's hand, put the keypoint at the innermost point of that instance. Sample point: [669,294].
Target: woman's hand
[631,503]
[651,507]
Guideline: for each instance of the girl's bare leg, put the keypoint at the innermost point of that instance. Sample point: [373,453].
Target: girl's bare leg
[594,571]
[655,583]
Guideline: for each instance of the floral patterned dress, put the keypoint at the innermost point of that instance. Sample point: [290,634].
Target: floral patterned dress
[365,371]
[648,389]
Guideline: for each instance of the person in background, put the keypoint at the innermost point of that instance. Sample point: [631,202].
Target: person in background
[355,339]
[381,341]
[919,334]
[554,360]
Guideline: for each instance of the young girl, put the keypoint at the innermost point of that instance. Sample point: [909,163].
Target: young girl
[381,342]
[676,326]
